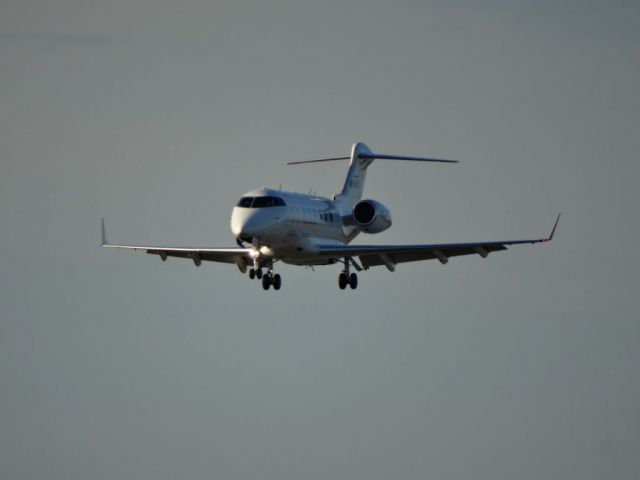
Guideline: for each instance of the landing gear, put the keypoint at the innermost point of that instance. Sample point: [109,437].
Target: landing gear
[269,279]
[255,273]
[345,278]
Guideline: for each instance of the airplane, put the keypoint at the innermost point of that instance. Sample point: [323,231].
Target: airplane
[273,226]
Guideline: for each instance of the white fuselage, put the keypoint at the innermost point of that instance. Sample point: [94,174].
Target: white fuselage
[289,225]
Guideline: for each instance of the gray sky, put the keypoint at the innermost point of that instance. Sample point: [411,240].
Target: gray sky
[158,115]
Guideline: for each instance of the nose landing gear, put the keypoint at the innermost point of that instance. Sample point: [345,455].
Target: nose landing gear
[253,273]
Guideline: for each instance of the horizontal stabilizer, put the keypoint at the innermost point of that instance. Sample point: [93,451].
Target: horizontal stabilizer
[361,157]
[374,156]
[382,156]
[327,159]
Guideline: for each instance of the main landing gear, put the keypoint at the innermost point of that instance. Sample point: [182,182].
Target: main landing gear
[345,278]
[269,279]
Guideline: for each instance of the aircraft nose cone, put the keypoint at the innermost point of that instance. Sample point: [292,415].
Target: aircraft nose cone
[247,230]
[236,228]
[244,228]
[248,223]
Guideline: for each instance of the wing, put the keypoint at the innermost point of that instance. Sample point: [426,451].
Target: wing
[237,255]
[390,255]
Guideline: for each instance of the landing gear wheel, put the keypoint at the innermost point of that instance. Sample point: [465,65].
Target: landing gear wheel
[277,281]
[252,274]
[266,282]
[259,273]
[343,280]
[353,281]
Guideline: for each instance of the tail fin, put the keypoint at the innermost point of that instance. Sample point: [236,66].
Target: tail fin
[361,157]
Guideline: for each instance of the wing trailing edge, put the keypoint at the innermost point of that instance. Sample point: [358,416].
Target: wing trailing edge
[238,255]
[390,255]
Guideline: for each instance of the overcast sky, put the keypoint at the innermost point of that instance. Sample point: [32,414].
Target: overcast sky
[158,115]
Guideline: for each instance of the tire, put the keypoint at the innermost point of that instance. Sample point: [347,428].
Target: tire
[266,282]
[353,281]
[259,273]
[277,281]
[342,281]
[252,274]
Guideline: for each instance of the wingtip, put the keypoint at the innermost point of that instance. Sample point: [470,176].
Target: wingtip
[555,225]
[103,234]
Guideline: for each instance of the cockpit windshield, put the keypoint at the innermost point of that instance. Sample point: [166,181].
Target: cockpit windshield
[261,202]
[245,202]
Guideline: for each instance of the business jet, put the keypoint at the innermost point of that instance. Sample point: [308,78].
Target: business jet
[273,225]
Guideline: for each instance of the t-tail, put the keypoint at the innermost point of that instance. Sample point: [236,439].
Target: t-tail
[354,183]
[360,159]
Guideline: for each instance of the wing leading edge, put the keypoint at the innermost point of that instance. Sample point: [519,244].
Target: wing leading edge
[390,255]
[369,255]
[239,256]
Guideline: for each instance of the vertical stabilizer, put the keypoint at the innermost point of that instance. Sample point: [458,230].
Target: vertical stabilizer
[361,158]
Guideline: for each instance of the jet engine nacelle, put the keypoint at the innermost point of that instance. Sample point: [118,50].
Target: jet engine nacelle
[371,216]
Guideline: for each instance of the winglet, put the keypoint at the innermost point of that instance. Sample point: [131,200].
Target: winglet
[553,231]
[104,235]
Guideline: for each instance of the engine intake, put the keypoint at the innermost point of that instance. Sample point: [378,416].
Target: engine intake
[364,212]
[371,216]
